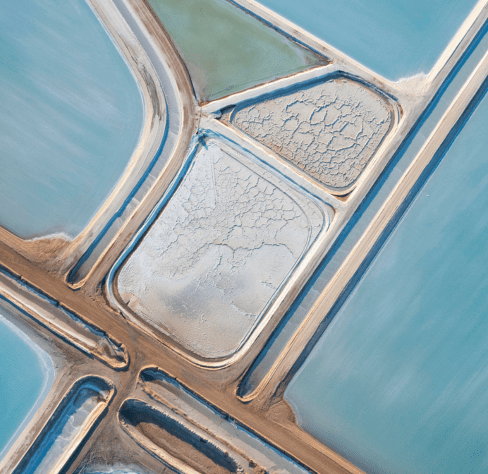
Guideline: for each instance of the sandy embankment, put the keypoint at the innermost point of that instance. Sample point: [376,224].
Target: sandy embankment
[70,423]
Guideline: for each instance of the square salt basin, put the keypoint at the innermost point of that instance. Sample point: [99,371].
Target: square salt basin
[219,252]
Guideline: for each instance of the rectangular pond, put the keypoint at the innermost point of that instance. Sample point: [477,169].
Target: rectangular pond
[398,381]
[26,376]
[227,50]
[396,38]
[70,119]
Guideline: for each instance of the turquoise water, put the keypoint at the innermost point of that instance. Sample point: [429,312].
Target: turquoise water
[24,377]
[70,117]
[395,38]
[398,382]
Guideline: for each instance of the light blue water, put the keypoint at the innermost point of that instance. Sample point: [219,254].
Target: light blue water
[398,382]
[363,217]
[70,116]
[395,38]
[23,379]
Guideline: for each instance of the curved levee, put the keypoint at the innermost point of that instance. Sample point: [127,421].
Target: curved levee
[168,143]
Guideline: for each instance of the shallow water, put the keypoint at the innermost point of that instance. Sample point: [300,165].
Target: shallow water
[226,50]
[24,377]
[396,39]
[398,382]
[70,118]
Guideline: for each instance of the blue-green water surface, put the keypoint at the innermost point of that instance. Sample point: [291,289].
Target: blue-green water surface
[398,382]
[395,38]
[25,375]
[70,116]
[227,50]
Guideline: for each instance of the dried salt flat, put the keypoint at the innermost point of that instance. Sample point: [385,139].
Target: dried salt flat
[330,130]
[219,252]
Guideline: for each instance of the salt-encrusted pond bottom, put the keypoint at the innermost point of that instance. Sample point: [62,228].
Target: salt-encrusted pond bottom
[219,252]
[330,129]
[26,375]
[399,380]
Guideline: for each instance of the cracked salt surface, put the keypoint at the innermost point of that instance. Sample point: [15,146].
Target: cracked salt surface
[219,251]
[330,130]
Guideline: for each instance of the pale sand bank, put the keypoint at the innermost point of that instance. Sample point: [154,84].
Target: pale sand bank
[219,252]
[116,470]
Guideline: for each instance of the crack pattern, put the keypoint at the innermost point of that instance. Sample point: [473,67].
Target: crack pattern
[330,130]
[218,252]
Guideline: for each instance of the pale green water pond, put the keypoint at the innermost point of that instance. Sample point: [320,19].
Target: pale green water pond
[227,50]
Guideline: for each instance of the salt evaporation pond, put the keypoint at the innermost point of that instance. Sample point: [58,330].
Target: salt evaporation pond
[70,118]
[399,382]
[25,376]
[226,50]
[396,38]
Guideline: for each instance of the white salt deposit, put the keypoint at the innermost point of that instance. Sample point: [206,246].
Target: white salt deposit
[330,130]
[218,252]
